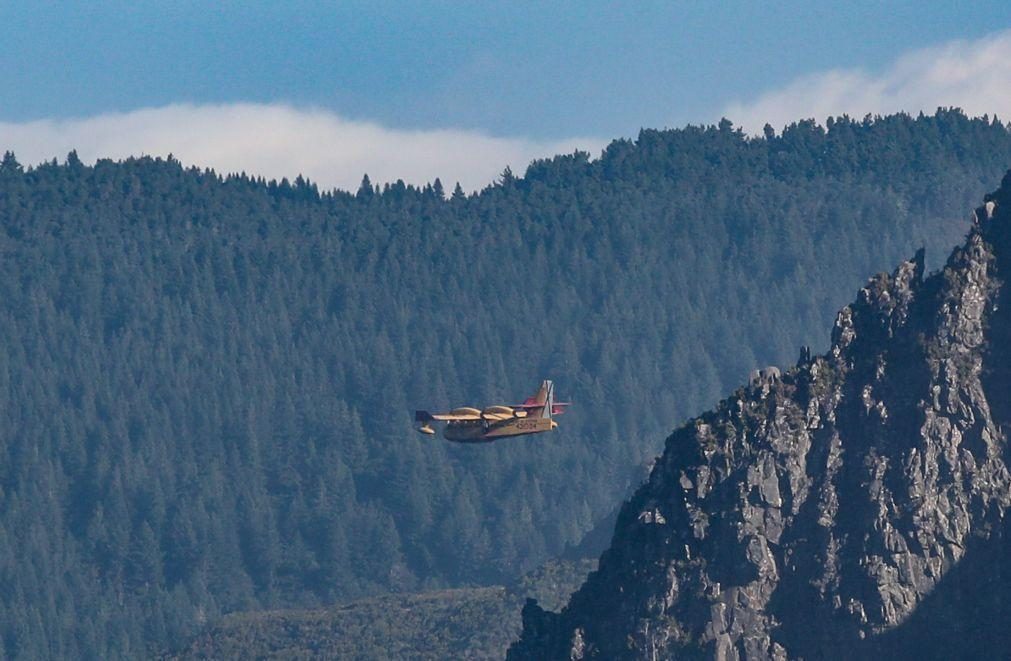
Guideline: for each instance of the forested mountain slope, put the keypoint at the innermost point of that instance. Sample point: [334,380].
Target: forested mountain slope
[854,507]
[206,383]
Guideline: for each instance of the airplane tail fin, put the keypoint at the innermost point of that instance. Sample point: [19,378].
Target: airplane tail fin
[541,405]
[549,399]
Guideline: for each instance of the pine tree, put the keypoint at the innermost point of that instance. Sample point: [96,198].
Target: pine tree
[365,190]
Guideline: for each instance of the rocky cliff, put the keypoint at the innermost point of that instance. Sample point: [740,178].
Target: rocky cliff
[852,505]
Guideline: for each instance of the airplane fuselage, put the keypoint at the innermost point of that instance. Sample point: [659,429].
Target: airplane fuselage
[466,424]
[479,431]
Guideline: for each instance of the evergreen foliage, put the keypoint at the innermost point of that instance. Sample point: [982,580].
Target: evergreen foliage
[206,382]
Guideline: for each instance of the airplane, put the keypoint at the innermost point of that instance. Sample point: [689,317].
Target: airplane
[471,425]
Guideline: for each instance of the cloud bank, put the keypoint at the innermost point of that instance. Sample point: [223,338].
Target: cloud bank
[975,76]
[277,141]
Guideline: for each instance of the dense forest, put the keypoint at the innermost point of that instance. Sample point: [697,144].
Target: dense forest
[207,381]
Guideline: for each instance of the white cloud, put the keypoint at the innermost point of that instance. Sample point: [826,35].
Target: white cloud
[975,76]
[277,141]
[274,140]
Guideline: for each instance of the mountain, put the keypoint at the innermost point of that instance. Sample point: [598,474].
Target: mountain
[852,506]
[207,381]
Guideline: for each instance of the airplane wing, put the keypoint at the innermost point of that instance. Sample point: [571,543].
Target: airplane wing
[454,415]
[499,413]
[498,417]
[490,414]
[557,407]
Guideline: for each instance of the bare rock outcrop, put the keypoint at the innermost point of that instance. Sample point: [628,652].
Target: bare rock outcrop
[820,512]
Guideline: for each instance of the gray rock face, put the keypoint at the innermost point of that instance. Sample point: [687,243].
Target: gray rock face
[851,505]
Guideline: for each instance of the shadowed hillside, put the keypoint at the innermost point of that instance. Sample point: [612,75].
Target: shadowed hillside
[468,623]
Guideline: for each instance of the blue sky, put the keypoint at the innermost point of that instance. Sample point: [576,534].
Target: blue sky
[545,73]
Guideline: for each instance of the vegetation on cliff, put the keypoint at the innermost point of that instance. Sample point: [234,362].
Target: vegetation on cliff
[465,623]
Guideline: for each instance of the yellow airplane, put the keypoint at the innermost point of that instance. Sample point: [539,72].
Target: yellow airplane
[470,425]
